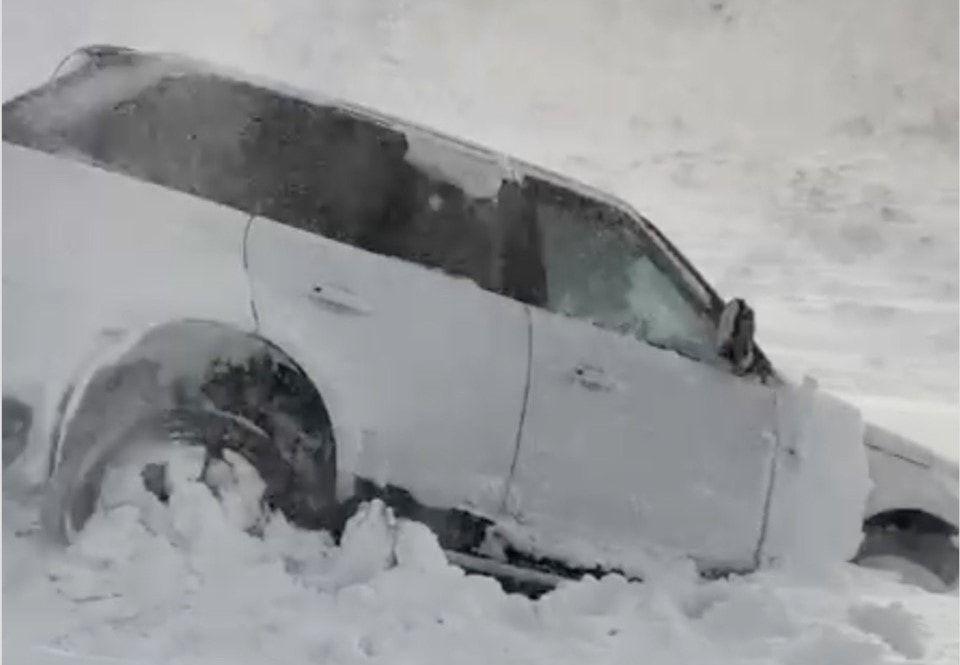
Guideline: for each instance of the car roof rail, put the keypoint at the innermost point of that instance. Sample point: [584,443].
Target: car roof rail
[96,54]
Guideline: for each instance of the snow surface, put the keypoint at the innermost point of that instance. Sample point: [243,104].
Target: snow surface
[802,155]
[186,583]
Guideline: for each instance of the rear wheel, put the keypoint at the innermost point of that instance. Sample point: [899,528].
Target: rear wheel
[171,471]
[297,472]
[261,410]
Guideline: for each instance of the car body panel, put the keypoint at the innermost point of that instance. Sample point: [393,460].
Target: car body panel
[91,261]
[908,476]
[821,480]
[635,446]
[424,374]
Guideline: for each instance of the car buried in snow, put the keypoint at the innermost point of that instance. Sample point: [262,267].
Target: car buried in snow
[363,308]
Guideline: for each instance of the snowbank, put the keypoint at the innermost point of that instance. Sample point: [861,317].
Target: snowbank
[188,583]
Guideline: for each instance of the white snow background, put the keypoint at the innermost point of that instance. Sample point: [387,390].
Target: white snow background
[803,155]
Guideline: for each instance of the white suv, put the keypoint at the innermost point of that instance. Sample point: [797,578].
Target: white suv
[361,307]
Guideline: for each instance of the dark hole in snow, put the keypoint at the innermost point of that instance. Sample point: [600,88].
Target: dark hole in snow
[155,480]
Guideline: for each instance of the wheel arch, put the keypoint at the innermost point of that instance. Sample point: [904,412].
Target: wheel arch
[913,542]
[148,371]
[901,487]
[917,519]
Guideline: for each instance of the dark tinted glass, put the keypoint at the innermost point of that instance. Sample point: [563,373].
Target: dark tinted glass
[319,168]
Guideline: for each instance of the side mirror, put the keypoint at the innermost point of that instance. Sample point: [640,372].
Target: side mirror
[735,336]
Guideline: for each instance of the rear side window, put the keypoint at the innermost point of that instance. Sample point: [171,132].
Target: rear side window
[319,168]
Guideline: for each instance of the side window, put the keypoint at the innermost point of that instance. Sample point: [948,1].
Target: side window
[353,180]
[600,267]
[316,167]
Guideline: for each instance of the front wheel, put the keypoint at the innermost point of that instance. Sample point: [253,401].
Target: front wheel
[925,559]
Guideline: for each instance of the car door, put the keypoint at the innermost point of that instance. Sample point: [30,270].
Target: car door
[637,438]
[381,280]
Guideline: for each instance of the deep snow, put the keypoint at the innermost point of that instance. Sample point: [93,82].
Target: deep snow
[803,155]
[184,583]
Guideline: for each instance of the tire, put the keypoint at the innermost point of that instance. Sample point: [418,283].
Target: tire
[924,559]
[299,477]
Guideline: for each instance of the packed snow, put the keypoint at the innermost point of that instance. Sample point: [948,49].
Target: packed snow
[802,155]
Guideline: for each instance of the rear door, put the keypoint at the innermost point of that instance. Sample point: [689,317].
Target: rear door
[637,437]
[376,263]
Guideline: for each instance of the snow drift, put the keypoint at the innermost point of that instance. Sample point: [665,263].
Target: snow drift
[194,582]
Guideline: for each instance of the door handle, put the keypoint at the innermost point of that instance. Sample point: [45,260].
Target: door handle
[338,299]
[592,378]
